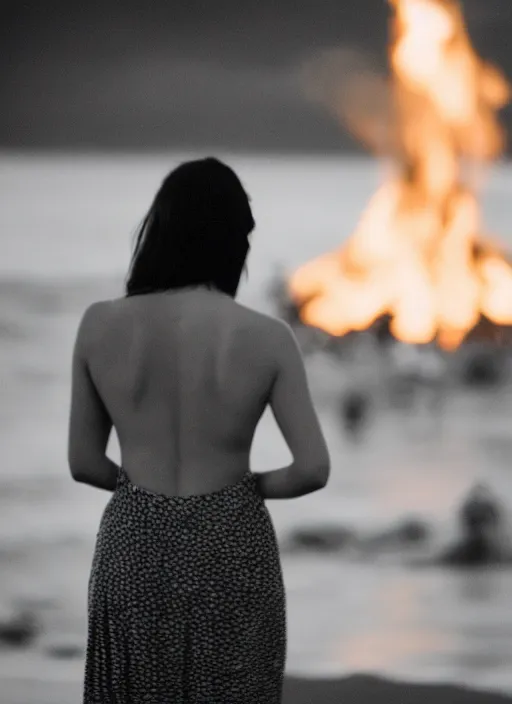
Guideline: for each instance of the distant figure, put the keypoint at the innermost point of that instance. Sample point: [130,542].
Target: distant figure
[483,369]
[480,511]
[20,629]
[310,339]
[354,411]
[481,521]
[404,376]
[186,599]
[382,333]
[280,295]
[417,369]
[433,379]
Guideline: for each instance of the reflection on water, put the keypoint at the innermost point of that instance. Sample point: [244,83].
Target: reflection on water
[419,626]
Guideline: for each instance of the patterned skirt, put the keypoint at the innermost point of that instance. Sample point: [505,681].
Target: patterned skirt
[186,601]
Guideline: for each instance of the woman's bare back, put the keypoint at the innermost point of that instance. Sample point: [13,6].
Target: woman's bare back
[185,377]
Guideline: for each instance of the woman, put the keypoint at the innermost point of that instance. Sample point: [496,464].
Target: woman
[186,597]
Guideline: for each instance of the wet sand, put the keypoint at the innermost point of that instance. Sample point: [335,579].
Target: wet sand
[356,690]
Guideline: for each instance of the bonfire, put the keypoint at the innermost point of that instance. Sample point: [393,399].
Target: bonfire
[419,255]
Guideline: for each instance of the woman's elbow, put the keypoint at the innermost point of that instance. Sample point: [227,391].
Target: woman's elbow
[322,465]
[78,475]
[322,473]
[318,472]
[78,469]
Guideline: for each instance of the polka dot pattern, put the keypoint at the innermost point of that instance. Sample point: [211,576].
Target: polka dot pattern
[186,601]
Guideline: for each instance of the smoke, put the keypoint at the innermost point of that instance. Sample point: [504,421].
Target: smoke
[355,90]
[480,14]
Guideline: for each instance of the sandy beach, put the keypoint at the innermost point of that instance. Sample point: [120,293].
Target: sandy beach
[355,690]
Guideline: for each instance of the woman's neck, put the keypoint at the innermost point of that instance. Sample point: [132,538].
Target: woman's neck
[209,288]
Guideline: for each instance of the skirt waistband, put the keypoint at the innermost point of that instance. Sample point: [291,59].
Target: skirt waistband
[238,489]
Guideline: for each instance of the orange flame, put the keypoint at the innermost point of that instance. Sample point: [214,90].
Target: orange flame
[415,254]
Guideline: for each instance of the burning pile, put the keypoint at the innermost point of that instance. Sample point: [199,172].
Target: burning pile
[417,254]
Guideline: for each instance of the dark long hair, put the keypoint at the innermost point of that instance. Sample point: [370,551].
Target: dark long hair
[196,231]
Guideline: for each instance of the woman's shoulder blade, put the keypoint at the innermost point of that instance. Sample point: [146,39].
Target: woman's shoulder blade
[260,320]
[258,324]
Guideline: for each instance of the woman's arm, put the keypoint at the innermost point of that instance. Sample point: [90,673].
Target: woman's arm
[103,475]
[286,483]
[295,414]
[89,422]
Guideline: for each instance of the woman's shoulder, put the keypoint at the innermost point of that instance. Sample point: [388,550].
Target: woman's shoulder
[263,333]
[107,311]
[92,322]
[96,312]
[259,320]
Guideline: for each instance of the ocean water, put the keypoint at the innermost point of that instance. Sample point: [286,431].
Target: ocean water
[66,231]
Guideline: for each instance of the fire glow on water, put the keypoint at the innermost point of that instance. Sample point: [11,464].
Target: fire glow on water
[418,253]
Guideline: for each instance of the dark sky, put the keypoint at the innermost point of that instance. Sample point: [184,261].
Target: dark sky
[199,73]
